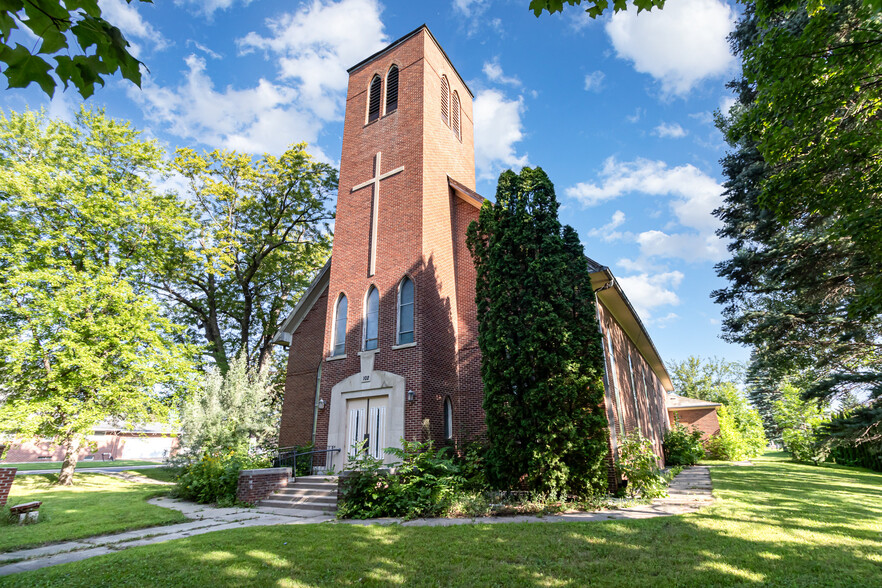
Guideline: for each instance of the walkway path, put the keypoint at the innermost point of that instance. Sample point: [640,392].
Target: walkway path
[688,492]
[101,470]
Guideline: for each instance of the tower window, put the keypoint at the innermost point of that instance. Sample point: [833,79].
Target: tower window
[405,311]
[445,100]
[374,99]
[372,319]
[340,326]
[392,89]
[454,114]
[448,419]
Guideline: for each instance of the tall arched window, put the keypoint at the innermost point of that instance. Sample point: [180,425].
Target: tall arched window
[374,99]
[445,100]
[448,419]
[372,319]
[340,326]
[392,89]
[454,114]
[405,312]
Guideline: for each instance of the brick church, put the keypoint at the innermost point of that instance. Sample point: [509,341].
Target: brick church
[383,345]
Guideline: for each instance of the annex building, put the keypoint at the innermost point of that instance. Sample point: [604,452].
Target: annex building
[383,345]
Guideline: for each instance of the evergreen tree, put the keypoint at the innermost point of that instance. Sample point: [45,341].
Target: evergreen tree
[542,361]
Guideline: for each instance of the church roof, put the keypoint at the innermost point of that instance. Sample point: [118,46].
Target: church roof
[610,293]
[398,42]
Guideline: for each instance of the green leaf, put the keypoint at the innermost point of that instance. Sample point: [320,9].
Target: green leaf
[7,24]
[24,68]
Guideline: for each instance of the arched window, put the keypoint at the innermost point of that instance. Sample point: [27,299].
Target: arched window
[405,311]
[392,89]
[374,99]
[372,319]
[448,419]
[340,326]
[445,101]
[454,114]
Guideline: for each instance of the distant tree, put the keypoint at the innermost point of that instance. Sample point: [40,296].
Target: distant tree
[81,338]
[542,361]
[697,377]
[262,231]
[102,49]
[801,422]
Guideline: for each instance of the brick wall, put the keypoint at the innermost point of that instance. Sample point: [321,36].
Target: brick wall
[255,485]
[7,477]
[111,442]
[703,419]
[305,354]
[634,395]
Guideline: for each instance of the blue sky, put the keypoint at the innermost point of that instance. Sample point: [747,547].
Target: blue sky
[617,110]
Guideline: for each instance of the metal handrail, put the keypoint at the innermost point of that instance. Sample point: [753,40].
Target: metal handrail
[292,453]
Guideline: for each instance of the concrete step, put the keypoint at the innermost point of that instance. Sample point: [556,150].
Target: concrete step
[324,508]
[297,491]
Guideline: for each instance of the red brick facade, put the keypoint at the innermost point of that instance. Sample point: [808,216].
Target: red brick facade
[703,419]
[423,213]
[111,443]
[7,477]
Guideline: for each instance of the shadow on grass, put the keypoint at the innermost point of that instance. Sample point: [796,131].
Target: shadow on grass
[767,530]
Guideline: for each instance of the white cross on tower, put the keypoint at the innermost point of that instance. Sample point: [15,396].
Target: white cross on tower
[375,182]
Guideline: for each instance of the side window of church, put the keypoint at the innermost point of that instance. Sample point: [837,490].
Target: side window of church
[392,89]
[405,312]
[454,114]
[371,319]
[374,99]
[340,326]
[448,419]
[445,101]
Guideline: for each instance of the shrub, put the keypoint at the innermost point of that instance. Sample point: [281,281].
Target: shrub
[215,477]
[472,466]
[682,445]
[638,464]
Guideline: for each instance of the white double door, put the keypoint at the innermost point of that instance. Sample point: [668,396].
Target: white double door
[367,426]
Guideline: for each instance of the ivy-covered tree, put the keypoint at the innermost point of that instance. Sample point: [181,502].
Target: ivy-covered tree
[100,49]
[542,361]
[81,337]
[262,230]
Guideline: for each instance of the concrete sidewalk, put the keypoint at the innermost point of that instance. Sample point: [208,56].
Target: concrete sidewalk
[688,492]
[99,470]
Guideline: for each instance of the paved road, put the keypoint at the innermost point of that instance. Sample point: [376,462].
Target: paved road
[106,470]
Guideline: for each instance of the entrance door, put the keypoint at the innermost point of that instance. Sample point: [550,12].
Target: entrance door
[367,424]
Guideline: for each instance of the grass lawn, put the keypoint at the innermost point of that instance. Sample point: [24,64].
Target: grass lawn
[96,504]
[81,465]
[774,524]
[161,474]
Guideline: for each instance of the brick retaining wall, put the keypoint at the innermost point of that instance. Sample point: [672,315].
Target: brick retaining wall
[7,477]
[255,485]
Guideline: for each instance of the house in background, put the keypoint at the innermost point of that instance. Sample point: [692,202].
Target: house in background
[384,344]
[698,414]
[108,440]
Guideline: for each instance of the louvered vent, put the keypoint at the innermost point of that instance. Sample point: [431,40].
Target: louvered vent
[392,90]
[374,100]
[445,101]
[455,114]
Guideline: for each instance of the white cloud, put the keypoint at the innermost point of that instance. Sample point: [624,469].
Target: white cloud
[317,44]
[498,127]
[254,120]
[678,46]
[209,7]
[726,103]
[648,291]
[669,131]
[470,8]
[594,81]
[608,231]
[494,73]
[638,114]
[686,246]
[132,24]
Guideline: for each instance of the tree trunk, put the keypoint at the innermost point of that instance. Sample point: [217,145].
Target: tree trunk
[71,444]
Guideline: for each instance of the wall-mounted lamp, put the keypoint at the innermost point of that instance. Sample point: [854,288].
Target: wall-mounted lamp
[321,404]
[411,395]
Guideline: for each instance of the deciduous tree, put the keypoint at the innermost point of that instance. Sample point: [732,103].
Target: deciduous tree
[81,337]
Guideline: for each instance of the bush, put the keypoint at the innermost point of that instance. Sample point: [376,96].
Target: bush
[423,485]
[638,464]
[682,445]
[472,466]
[214,478]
